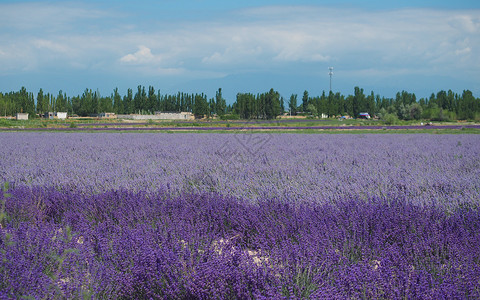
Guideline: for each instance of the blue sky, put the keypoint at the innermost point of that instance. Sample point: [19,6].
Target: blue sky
[420,46]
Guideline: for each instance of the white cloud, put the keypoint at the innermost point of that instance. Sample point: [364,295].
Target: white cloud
[216,57]
[143,55]
[463,51]
[50,45]
[467,23]
[262,38]
[275,35]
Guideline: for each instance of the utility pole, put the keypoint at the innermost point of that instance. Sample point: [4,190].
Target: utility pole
[330,72]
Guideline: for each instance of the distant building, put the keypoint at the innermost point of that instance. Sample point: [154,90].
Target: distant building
[107,115]
[175,115]
[364,115]
[55,115]
[160,116]
[22,116]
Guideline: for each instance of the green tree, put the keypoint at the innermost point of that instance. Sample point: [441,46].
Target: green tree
[159,104]
[3,105]
[83,106]
[200,107]
[95,102]
[105,105]
[390,119]
[468,106]
[416,111]
[403,112]
[348,105]
[272,104]
[311,108]
[46,103]
[305,99]
[282,105]
[76,105]
[370,105]
[40,108]
[140,100]
[220,103]
[128,106]
[117,102]
[358,102]
[292,104]
[61,102]
[211,107]
[331,105]
[151,100]
[321,105]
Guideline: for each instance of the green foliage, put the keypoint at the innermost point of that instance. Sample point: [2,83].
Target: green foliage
[390,119]
[3,213]
[230,117]
[262,106]
[220,104]
[416,111]
[56,268]
[312,109]
[439,114]
[382,113]
[292,104]
[200,107]
[305,100]
[442,106]
[5,123]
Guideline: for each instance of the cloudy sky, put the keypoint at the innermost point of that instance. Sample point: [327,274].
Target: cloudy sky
[420,46]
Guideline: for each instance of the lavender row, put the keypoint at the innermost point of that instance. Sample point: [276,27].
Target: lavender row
[201,128]
[443,169]
[120,244]
[276,121]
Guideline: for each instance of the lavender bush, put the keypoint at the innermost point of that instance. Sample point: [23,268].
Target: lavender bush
[120,244]
[320,168]
[239,216]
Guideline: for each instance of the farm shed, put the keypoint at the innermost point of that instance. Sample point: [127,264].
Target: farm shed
[364,115]
[55,115]
[22,116]
[175,115]
[160,116]
[107,115]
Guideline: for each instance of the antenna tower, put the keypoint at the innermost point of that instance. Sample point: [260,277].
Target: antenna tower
[330,72]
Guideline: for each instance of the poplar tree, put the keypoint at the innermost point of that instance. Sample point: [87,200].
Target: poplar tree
[292,104]
[220,103]
[40,108]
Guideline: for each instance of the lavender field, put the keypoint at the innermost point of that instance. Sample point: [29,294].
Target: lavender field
[239,216]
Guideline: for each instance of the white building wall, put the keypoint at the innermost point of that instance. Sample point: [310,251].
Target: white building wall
[22,116]
[160,116]
[61,115]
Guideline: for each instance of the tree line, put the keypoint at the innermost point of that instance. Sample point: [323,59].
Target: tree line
[442,106]
[90,102]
